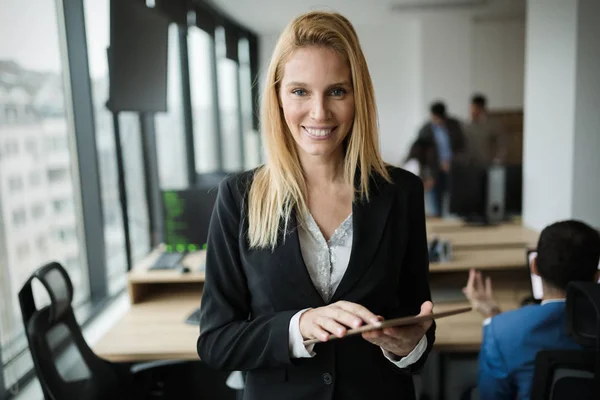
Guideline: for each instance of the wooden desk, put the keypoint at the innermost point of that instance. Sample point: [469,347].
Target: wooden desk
[154,327]
[463,333]
[483,259]
[154,330]
[473,237]
[141,282]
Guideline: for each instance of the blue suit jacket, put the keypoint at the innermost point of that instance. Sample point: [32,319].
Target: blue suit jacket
[510,343]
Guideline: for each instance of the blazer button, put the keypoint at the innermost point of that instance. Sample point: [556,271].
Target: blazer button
[327,378]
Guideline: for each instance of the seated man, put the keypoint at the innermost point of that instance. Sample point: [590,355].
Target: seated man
[567,251]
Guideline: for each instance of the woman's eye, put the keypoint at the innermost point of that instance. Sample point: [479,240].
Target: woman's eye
[338,92]
[299,92]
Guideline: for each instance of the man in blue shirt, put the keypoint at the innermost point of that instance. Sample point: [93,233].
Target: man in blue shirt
[448,138]
[567,251]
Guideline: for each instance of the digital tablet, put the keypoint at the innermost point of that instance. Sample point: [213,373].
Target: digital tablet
[394,322]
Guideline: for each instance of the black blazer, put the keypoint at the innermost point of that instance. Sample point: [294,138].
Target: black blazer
[250,296]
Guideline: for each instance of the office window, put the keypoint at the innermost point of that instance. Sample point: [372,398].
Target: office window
[227,73]
[252,150]
[58,174]
[201,87]
[11,146]
[35,103]
[22,251]
[31,147]
[61,206]
[38,211]
[15,183]
[35,179]
[56,144]
[97,25]
[170,130]
[66,234]
[137,206]
[41,243]
[19,218]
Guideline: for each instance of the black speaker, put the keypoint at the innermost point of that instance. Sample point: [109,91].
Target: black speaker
[137,57]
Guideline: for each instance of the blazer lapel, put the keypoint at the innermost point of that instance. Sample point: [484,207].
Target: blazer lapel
[289,256]
[368,223]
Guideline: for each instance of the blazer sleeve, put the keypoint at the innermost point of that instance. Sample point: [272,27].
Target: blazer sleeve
[230,337]
[414,285]
[494,379]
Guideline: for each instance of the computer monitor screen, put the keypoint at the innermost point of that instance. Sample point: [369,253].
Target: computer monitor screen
[536,282]
[187,215]
[513,194]
[468,188]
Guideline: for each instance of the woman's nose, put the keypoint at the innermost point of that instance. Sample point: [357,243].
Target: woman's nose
[320,110]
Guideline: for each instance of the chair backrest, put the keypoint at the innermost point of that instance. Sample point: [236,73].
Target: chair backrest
[563,374]
[55,341]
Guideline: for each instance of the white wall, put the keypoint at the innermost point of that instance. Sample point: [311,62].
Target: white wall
[396,89]
[421,59]
[498,59]
[586,183]
[446,62]
[562,124]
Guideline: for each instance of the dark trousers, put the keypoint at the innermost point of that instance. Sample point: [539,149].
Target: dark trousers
[439,189]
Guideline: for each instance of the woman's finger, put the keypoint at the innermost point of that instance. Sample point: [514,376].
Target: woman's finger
[360,311]
[331,325]
[344,317]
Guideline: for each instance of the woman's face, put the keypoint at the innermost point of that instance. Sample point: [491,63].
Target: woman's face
[317,99]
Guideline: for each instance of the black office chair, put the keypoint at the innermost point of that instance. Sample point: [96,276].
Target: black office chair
[56,343]
[570,374]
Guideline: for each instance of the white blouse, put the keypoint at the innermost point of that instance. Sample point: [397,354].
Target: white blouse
[326,262]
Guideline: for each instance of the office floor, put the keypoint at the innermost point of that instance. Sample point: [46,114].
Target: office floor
[92,333]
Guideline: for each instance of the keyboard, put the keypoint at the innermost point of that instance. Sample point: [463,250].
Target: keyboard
[167,261]
[194,317]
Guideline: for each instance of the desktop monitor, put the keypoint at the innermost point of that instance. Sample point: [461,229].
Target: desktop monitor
[513,195]
[468,191]
[187,216]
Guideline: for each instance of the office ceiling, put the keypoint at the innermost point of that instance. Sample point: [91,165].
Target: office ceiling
[270,16]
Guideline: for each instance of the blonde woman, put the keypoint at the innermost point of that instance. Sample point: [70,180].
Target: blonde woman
[323,238]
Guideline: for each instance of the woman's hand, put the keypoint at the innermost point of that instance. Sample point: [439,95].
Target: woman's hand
[481,296]
[334,319]
[403,339]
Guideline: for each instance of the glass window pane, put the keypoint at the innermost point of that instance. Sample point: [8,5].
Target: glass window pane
[252,156]
[97,32]
[36,166]
[227,72]
[137,206]
[170,132]
[201,86]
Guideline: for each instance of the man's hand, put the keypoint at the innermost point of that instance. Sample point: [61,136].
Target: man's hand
[481,296]
[403,339]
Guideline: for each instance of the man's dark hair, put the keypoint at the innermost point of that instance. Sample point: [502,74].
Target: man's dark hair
[479,100]
[438,109]
[568,251]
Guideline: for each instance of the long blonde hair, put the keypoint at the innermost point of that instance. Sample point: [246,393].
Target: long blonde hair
[279,186]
